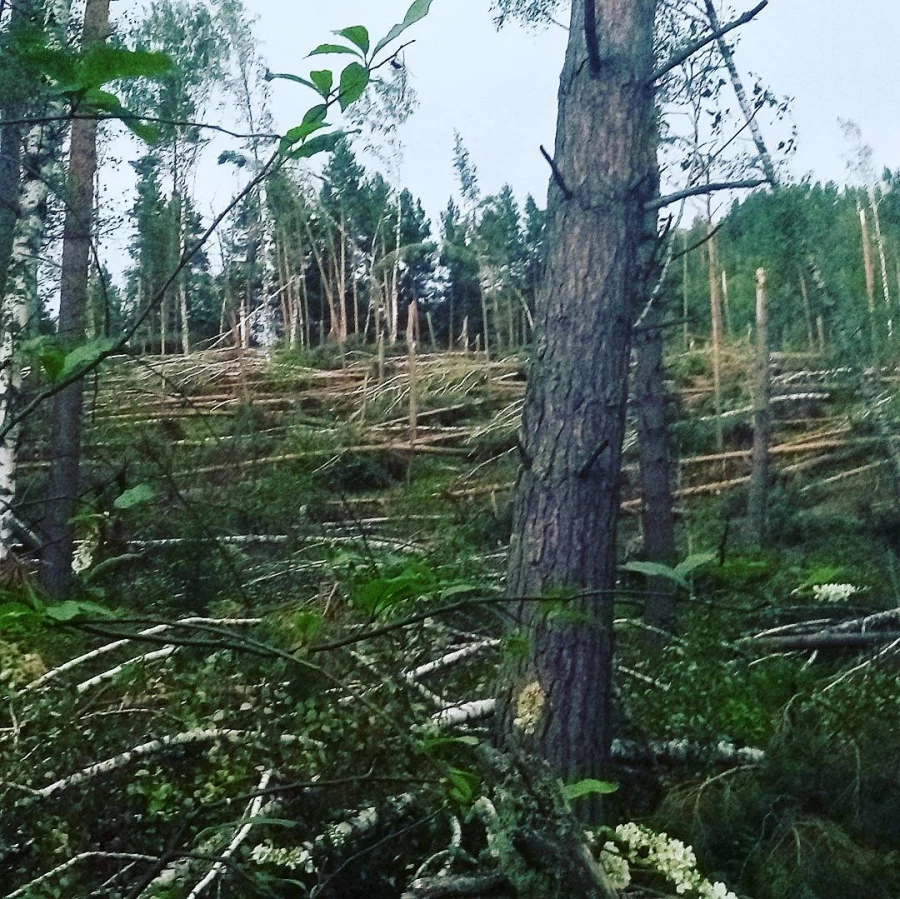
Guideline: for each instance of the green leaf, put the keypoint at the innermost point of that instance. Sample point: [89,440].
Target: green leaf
[354,81]
[323,143]
[694,561]
[313,121]
[356,34]
[324,49]
[589,788]
[85,355]
[323,80]
[657,569]
[105,63]
[142,493]
[431,744]
[70,610]
[102,100]
[417,11]
[462,786]
[286,76]
[385,593]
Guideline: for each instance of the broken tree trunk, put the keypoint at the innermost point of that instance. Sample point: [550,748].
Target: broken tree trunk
[762,425]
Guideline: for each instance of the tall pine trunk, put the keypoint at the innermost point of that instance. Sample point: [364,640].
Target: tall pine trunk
[65,422]
[557,696]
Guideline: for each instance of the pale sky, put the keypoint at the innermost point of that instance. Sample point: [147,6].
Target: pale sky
[834,57]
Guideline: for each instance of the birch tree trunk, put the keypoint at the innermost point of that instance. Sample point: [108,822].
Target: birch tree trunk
[65,422]
[25,177]
[870,284]
[269,333]
[179,177]
[556,699]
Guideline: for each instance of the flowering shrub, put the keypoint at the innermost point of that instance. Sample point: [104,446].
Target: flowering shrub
[637,845]
[834,592]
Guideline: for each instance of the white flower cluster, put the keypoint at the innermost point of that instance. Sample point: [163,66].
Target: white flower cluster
[298,857]
[671,858]
[616,867]
[834,592]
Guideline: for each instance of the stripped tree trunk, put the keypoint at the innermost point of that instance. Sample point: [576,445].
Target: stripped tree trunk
[762,425]
[882,258]
[412,340]
[268,332]
[557,694]
[179,196]
[870,284]
[715,304]
[65,422]
[394,313]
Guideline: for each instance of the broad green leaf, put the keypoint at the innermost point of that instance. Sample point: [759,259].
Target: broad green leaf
[313,121]
[102,100]
[657,569]
[694,561]
[354,80]
[322,143]
[324,49]
[589,788]
[356,34]
[64,611]
[142,493]
[432,743]
[86,354]
[323,80]
[417,11]
[272,76]
[105,63]
[462,786]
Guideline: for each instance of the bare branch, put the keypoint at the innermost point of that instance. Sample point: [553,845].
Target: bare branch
[688,51]
[701,190]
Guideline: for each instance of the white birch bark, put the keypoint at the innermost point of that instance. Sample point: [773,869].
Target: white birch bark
[267,315]
[19,303]
[882,257]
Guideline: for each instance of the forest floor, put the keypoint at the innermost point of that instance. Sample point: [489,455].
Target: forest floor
[305,556]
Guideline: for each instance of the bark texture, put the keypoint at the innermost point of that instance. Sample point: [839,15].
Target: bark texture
[557,694]
[65,422]
[657,518]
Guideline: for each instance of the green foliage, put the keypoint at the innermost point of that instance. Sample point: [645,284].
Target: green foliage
[679,574]
[134,496]
[589,787]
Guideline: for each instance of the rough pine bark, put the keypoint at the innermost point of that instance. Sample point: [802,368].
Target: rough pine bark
[65,420]
[556,698]
[657,518]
